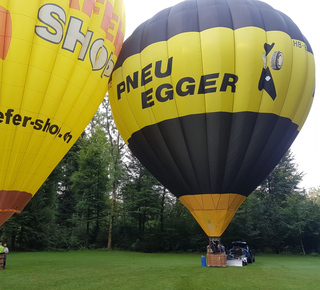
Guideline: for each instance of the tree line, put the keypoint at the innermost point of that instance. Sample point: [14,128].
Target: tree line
[100,196]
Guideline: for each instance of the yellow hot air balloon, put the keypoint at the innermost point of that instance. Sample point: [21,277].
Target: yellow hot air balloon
[209,95]
[56,58]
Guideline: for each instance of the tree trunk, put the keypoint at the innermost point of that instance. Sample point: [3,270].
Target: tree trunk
[88,228]
[113,205]
[97,226]
[87,239]
[302,247]
[301,243]
[162,218]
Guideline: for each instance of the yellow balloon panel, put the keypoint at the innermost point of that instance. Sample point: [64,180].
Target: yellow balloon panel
[56,60]
[224,47]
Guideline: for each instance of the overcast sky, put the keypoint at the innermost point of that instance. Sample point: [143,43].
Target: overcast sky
[305,14]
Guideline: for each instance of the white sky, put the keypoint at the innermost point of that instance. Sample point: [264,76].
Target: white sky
[305,14]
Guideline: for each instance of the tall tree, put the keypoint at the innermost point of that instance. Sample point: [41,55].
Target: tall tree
[142,197]
[117,151]
[66,203]
[90,183]
[314,194]
[302,216]
[261,218]
[283,181]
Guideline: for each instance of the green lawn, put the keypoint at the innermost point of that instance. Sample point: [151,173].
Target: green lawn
[124,270]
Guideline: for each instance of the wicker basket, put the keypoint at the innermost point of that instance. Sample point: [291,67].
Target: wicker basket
[216,260]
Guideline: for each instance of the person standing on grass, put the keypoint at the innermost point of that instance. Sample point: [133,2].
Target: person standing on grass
[6,251]
[1,252]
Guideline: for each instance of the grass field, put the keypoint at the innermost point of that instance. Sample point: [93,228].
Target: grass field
[125,270]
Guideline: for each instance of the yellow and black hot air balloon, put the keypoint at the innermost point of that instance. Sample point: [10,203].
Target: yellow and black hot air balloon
[55,61]
[209,95]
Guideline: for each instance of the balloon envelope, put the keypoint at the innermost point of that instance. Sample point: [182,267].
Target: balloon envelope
[209,95]
[56,58]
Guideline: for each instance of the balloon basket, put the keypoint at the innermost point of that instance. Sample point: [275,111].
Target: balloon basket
[216,260]
[1,261]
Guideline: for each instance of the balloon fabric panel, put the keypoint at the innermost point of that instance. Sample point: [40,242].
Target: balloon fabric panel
[54,76]
[212,166]
[209,95]
[213,212]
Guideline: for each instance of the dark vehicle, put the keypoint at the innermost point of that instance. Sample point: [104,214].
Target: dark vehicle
[245,249]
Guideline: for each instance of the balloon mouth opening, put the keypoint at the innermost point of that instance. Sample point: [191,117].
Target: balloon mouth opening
[12,201]
[213,212]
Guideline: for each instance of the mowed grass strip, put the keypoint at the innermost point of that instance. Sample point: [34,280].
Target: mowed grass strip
[127,270]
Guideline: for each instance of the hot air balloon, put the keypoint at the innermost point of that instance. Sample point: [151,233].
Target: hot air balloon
[56,58]
[209,95]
